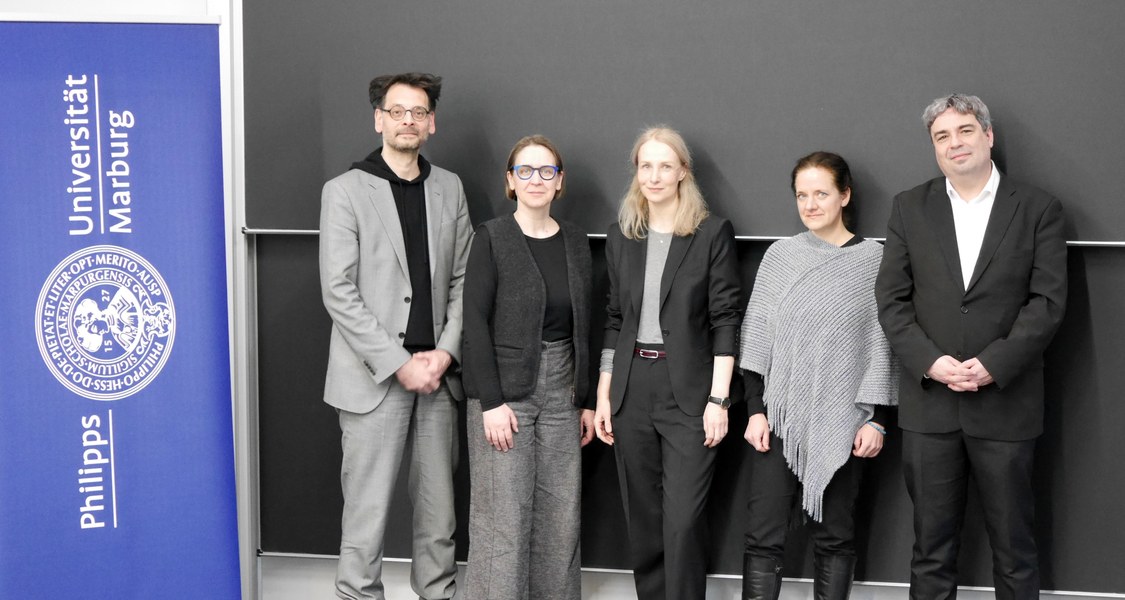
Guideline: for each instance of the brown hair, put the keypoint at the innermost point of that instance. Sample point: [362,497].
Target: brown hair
[534,140]
[837,167]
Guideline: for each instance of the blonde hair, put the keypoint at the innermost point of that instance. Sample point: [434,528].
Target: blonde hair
[692,209]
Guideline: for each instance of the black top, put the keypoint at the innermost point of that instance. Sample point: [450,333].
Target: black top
[550,257]
[410,200]
[755,386]
[506,296]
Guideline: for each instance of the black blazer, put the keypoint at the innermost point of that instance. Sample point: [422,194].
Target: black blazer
[504,300]
[1007,316]
[699,308]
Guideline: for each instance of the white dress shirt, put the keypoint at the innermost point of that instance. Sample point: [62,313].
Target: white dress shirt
[970,218]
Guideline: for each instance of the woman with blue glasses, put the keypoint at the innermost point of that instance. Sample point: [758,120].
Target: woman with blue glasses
[526,336]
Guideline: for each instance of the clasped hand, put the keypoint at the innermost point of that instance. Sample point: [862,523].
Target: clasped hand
[968,376]
[423,372]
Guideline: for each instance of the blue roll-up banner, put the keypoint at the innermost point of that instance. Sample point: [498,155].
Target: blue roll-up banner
[116,445]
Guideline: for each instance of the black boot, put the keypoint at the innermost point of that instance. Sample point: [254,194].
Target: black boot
[833,576]
[761,578]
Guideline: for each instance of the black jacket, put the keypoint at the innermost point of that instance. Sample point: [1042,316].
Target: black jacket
[1007,316]
[699,308]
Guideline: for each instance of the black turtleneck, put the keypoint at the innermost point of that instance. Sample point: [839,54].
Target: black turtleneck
[410,200]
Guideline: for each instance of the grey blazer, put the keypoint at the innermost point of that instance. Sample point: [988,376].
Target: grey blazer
[365,283]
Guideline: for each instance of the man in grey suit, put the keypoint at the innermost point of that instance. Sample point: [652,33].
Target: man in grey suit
[394,238]
[971,290]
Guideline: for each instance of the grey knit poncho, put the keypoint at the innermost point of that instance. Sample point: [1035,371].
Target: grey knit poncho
[812,331]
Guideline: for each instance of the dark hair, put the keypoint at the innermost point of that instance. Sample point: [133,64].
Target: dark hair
[431,84]
[841,176]
[534,140]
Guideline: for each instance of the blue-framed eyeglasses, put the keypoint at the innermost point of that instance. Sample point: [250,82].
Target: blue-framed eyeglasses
[398,112]
[546,172]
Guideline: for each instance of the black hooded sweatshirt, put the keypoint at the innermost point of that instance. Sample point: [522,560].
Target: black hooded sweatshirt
[410,199]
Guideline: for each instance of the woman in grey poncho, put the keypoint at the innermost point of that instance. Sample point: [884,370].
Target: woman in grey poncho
[819,378]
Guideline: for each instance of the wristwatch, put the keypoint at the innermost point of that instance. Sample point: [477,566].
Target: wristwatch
[722,402]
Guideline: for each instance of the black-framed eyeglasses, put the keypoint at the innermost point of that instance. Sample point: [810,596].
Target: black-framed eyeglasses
[546,172]
[398,112]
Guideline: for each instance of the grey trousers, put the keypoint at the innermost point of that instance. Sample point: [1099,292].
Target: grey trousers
[374,444]
[524,518]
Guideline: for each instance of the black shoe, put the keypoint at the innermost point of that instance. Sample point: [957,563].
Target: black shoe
[761,578]
[833,579]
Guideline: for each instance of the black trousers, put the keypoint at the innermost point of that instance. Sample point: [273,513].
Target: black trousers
[775,490]
[665,474]
[937,468]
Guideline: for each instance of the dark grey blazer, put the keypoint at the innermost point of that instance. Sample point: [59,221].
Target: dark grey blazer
[1007,316]
[699,308]
[504,300]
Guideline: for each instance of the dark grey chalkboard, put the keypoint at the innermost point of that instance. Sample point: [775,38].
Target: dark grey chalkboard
[1079,482]
[753,85]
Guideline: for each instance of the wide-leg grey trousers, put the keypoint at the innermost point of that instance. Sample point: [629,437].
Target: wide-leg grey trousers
[525,503]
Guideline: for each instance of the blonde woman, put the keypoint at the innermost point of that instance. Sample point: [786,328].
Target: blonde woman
[670,340]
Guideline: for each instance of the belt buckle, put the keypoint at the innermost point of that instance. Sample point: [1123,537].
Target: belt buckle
[646,353]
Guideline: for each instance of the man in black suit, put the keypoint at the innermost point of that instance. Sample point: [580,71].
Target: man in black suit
[971,290]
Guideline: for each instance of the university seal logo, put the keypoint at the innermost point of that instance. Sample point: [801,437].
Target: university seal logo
[105,322]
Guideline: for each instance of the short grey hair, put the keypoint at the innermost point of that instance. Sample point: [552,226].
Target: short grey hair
[962,103]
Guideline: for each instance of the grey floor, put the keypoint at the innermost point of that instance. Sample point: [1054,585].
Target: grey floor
[310,578]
